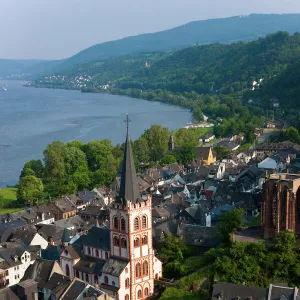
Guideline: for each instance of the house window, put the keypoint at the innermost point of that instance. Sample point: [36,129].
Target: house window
[127,297]
[123,243]
[138,273]
[123,226]
[136,224]
[77,273]
[87,277]
[89,250]
[136,242]
[106,255]
[96,279]
[127,283]
[144,221]
[116,241]
[105,279]
[139,294]
[144,240]
[113,283]
[145,268]
[68,270]
[116,223]
[146,292]
[97,253]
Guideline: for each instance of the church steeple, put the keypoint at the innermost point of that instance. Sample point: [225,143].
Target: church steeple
[129,189]
[171,144]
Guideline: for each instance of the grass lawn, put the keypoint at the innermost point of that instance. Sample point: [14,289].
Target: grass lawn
[9,195]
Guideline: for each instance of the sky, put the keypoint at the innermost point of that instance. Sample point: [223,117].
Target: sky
[57,29]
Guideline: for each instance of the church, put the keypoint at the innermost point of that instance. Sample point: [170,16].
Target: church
[119,259]
[281,204]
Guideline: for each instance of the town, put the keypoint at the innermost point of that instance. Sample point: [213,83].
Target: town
[104,243]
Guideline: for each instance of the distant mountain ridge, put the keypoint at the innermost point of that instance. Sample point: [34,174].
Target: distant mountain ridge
[224,30]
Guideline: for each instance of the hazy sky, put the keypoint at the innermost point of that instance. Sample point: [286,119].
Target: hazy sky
[54,29]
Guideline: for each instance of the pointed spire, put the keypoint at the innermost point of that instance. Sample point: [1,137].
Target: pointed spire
[129,189]
[65,236]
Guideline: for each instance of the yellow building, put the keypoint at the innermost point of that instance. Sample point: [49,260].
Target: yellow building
[206,154]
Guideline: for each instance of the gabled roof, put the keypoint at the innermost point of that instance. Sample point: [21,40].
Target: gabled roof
[40,271]
[76,288]
[57,284]
[97,237]
[114,267]
[129,189]
[225,290]
[7,294]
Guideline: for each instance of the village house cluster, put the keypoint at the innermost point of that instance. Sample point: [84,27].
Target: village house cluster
[101,243]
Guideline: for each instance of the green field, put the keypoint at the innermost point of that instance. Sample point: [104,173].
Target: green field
[9,195]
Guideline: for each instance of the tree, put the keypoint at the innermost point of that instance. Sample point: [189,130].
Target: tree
[36,166]
[30,189]
[198,114]
[141,150]
[290,134]
[229,222]
[157,138]
[285,241]
[222,152]
[168,159]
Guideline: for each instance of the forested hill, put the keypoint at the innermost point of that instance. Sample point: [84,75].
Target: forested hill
[226,30]
[215,68]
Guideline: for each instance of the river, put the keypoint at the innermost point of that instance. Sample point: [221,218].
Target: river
[32,118]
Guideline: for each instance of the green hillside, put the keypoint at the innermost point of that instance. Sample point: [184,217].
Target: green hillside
[225,30]
[207,69]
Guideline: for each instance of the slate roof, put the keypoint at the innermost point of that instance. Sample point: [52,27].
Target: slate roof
[7,294]
[76,288]
[114,267]
[97,237]
[40,271]
[73,251]
[57,284]
[129,189]
[196,235]
[10,225]
[90,265]
[203,152]
[52,252]
[169,227]
[50,231]
[228,291]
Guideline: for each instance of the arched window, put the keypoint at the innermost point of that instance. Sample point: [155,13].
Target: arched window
[145,268]
[77,273]
[89,251]
[123,243]
[138,273]
[146,292]
[87,277]
[116,223]
[116,241]
[113,283]
[105,279]
[123,226]
[136,224]
[144,240]
[139,294]
[106,255]
[127,283]
[96,279]
[67,270]
[97,253]
[127,297]
[144,222]
[156,276]
[136,242]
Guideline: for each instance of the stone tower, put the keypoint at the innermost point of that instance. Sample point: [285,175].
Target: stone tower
[281,204]
[171,144]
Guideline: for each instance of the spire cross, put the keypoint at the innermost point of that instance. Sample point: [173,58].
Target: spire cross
[127,121]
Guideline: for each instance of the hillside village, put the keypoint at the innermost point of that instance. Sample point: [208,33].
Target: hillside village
[64,248]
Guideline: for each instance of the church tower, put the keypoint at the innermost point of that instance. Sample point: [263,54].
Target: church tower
[131,231]
[171,144]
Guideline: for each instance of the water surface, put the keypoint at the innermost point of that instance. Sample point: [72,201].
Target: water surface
[32,118]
